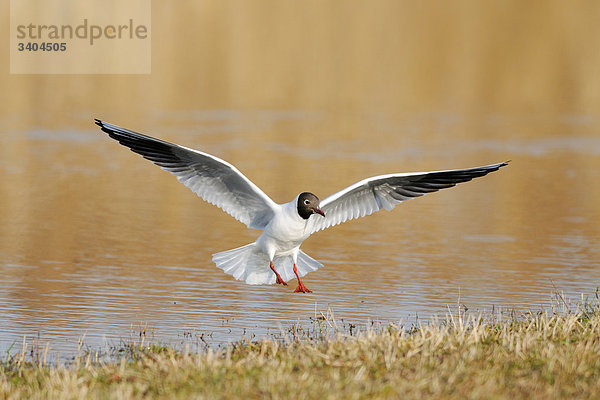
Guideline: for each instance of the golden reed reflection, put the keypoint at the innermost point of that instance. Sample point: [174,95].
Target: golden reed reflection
[352,56]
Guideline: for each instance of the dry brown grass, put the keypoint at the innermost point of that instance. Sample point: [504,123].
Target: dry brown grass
[541,356]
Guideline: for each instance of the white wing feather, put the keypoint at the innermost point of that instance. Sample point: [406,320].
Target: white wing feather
[386,191]
[211,178]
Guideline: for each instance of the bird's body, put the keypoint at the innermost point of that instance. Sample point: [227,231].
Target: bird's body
[279,244]
[275,257]
[286,231]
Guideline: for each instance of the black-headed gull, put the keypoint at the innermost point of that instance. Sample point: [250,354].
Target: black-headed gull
[284,226]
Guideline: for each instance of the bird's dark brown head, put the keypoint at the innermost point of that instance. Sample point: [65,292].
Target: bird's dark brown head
[308,204]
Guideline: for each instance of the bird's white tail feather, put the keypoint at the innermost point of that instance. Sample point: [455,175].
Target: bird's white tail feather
[248,263]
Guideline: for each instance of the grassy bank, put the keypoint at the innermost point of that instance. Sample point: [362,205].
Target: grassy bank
[549,355]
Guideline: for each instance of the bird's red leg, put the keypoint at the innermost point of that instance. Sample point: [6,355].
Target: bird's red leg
[301,288]
[279,280]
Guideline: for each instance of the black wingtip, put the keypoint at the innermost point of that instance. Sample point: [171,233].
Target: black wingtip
[502,164]
[496,167]
[103,127]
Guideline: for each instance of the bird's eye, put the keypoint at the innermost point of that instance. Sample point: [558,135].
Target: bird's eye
[307,202]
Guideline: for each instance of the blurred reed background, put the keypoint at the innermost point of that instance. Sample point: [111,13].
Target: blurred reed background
[467,57]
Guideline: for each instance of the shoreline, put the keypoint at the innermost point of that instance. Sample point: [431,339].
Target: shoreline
[546,354]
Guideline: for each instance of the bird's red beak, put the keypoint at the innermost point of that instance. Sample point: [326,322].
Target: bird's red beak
[319,211]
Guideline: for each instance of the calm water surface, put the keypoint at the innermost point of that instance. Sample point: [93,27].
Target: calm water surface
[99,242]
[96,241]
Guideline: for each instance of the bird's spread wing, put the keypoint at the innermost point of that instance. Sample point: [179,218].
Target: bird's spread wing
[211,178]
[385,191]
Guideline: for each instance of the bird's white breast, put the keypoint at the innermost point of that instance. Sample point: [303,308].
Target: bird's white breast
[286,231]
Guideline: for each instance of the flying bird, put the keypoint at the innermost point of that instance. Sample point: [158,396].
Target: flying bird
[275,257]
